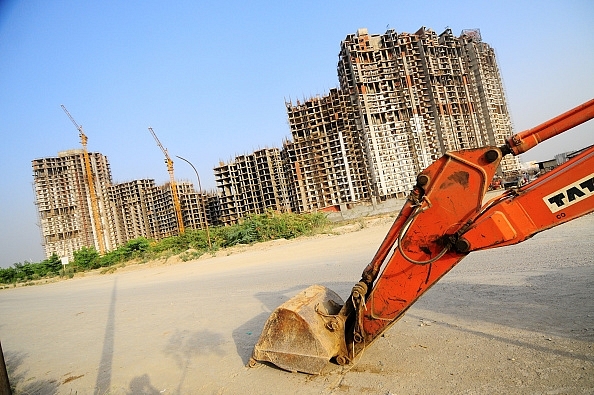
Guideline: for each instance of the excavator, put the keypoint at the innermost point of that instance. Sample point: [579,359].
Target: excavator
[442,221]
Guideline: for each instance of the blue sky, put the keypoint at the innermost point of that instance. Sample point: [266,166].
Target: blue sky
[212,78]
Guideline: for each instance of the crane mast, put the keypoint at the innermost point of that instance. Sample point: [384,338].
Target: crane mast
[176,204]
[90,183]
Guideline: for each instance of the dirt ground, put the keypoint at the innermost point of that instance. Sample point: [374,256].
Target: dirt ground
[513,320]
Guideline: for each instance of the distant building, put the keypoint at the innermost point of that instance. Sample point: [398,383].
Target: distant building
[404,101]
[134,210]
[565,156]
[251,184]
[324,162]
[418,96]
[143,209]
[64,203]
[547,165]
[126,211]
[199,208]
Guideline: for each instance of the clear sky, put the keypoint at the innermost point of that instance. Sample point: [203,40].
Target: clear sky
[212,79]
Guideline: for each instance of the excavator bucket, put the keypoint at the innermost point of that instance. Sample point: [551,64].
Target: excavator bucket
[299,335]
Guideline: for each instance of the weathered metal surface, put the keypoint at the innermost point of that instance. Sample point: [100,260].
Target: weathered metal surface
[296,336]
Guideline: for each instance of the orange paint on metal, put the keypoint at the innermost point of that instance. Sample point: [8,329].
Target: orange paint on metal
[527,139]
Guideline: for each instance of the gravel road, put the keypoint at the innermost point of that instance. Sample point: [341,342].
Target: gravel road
[513,320]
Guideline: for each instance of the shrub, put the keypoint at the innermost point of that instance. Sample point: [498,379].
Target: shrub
[190,255]
[86,258]
[136,247]
[252,229]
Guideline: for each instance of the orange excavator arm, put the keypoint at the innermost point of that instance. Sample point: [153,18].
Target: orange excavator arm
[443,220]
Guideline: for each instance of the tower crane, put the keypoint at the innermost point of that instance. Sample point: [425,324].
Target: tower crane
[169,162]
[90,183]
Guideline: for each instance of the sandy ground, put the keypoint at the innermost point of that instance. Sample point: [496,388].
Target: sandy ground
[513,320]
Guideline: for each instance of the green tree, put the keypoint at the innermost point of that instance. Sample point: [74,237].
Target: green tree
[54,263]
[136,246]
[8,275]
[51,266]
[86,258]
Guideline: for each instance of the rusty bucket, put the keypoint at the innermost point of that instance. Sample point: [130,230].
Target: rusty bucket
[301,335]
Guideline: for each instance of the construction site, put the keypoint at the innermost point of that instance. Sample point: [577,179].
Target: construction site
[79,206]
[403,101]
[459,292]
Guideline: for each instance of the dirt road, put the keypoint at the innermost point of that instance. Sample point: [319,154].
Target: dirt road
[515,320]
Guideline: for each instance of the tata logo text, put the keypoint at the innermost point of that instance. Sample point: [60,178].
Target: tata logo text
[571,194]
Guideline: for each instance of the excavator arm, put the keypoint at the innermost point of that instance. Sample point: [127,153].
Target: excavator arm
[442,221]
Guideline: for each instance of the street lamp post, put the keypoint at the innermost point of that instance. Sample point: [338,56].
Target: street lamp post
[201,200]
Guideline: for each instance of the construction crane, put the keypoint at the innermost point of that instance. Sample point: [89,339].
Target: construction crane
[90,183]
[169,162]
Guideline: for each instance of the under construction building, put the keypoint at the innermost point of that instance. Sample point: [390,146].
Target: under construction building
[198,208]
[404,101]
[143,209]
[418,96]
[133,206]
[63,201]
[324,164]
[128,210]
[251,184]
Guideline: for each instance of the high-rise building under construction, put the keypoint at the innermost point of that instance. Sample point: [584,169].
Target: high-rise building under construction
[143,209]
[324,163]
[65,206]
[125,211]
[417,96]
[251,184]
[404,100]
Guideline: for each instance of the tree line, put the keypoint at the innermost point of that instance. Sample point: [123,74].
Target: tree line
[190,245]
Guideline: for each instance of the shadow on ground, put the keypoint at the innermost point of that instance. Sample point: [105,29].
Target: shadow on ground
[142,385]
[552,303]
[21,383]
[104,373]
[183,346]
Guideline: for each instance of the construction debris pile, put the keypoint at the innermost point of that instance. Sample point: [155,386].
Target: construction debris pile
[404,100]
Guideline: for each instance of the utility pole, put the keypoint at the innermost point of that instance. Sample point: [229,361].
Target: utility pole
[201,200]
